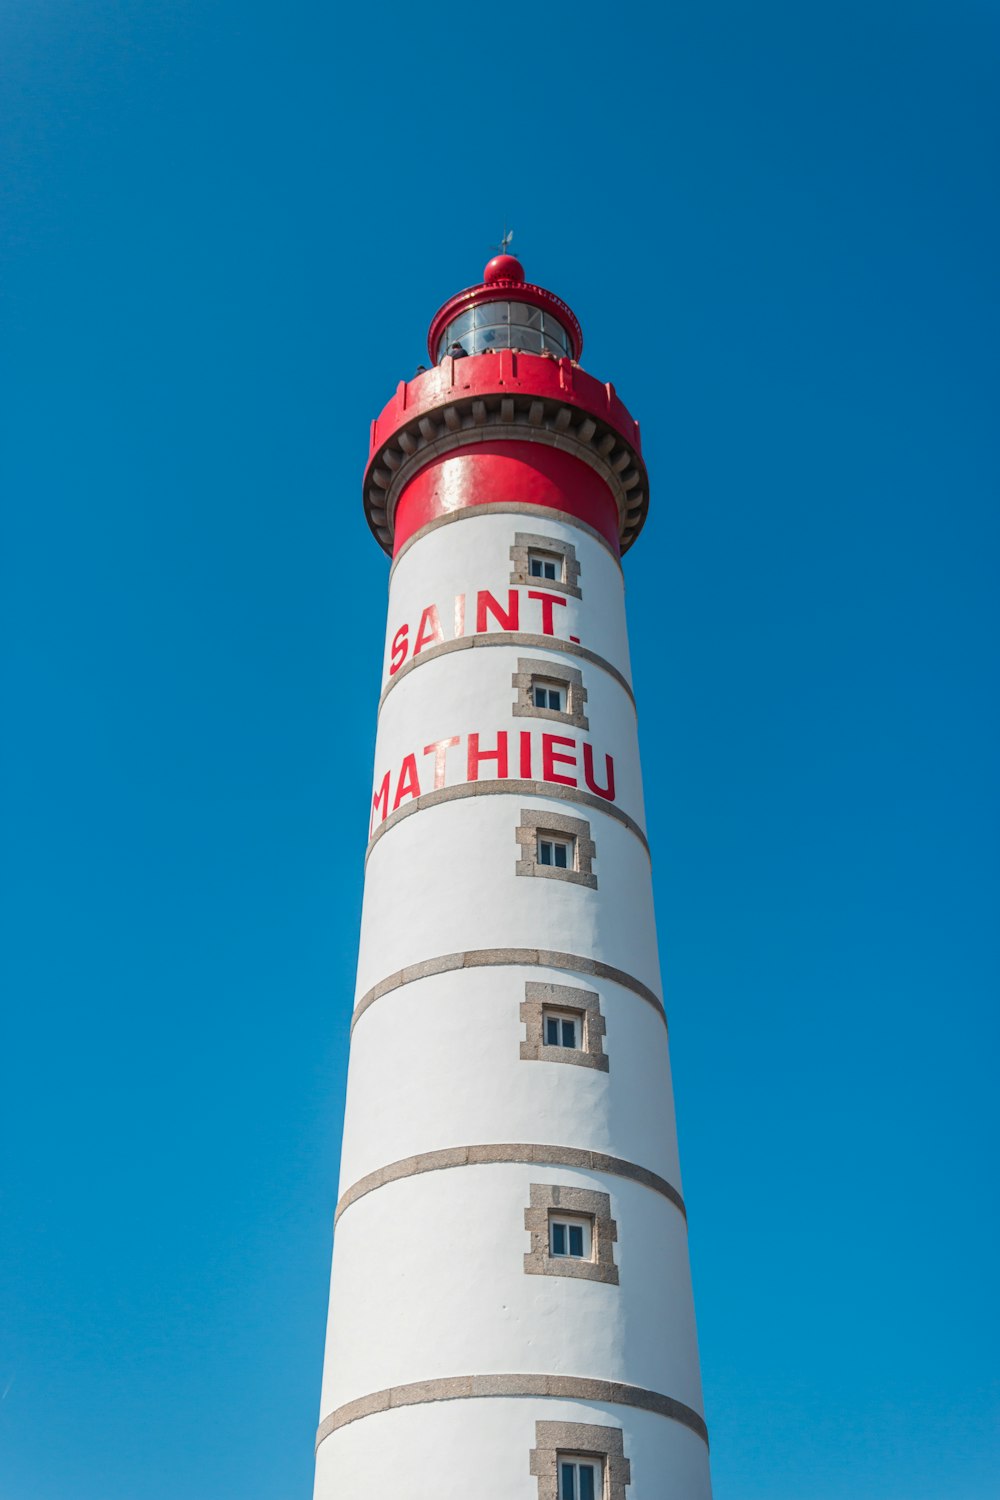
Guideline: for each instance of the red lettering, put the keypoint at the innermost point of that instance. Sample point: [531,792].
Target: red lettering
[400,646]
[439,750]
[380,800]
[409,781]
[430,629]
[526,754]
[548,603]
[550,755]
[476,755]
[607,792]
[459,615]
[486,604]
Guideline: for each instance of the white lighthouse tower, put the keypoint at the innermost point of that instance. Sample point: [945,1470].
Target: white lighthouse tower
[511,1314]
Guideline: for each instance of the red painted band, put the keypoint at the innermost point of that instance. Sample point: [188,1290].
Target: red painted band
[506,470]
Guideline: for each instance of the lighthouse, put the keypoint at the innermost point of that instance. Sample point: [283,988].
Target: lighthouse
[511,1315]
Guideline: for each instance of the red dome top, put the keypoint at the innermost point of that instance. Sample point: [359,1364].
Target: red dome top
[503,281]
[503,268]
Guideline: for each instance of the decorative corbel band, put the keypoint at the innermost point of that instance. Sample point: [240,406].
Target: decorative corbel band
[506,1155]
[491,958]
[559,1387]
[502,786]
[523,639]
[470,420]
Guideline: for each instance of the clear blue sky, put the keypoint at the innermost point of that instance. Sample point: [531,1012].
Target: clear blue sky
[225,228]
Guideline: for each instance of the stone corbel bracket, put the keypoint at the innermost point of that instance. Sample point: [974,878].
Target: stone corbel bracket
[461,420]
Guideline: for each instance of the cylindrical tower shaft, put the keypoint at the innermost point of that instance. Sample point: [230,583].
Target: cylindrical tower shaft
[511,1312]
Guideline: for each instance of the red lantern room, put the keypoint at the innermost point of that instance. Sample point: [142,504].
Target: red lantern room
[505,312]
[505,416]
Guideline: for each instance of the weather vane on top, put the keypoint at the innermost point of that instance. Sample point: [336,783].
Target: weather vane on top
[504,245]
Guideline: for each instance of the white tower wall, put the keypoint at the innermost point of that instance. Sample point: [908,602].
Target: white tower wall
[447,1347]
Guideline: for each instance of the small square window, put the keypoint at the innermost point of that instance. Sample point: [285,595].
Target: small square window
[580,1461]
[545,565]
[563,1024]
[571,1239]
[572,1235]
[536,558]
[562,1030]
[580,1478]
[549,690]
[546,696]
[552,846]
[555,852]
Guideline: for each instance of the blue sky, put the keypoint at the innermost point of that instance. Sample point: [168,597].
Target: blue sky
[226,227]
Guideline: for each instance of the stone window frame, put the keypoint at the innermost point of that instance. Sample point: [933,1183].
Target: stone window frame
[548,1198]
[586,1004]
[579,1440]
[529,668]
[534,823]
[526,542]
